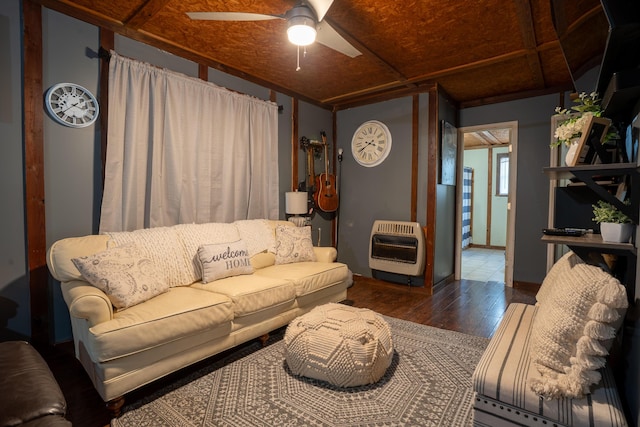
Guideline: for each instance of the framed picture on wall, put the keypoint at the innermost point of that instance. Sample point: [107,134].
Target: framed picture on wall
[448,152]
[590,143]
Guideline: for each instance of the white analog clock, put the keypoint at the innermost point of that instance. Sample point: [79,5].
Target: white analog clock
[71,105]
[371,143]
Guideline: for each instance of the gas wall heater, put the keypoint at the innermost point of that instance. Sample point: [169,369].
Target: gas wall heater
[397,247]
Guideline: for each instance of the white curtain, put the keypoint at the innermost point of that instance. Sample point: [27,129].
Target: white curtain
[182,150]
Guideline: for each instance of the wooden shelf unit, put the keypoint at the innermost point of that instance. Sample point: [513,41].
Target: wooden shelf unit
[590,247]
[590,174]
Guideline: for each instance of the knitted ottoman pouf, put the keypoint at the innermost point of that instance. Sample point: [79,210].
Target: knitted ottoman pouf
[339,344]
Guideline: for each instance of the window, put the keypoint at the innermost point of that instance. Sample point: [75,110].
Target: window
[502,174]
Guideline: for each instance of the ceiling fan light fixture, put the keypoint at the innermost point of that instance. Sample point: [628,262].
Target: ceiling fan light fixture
[301,31]
[301,21]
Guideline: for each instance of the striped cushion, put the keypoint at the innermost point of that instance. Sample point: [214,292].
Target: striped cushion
[501,377]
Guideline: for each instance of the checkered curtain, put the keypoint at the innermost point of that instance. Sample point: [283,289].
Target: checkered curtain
[467,191]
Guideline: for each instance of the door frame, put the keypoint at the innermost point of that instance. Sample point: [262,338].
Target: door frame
[511,200]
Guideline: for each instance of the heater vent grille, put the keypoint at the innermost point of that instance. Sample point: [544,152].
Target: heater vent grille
[397,247]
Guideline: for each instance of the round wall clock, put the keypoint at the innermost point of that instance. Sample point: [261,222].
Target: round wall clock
[71,105]
[371,143]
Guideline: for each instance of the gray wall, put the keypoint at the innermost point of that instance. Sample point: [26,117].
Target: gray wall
[14,282]
[532,200]
[532,197]
[381,192]
[72,174]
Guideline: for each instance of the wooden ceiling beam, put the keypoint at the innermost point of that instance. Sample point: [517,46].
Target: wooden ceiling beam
[385,95]
[371,54]
[82,13]
[525,20]
[430,77]
[144,13]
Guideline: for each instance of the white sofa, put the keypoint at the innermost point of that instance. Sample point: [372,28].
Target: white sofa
[123,349]
[574,300]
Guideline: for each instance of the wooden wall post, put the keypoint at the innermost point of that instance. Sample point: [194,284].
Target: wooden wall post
[35,220]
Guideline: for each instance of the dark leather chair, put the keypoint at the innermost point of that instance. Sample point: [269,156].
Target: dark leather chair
[30,394]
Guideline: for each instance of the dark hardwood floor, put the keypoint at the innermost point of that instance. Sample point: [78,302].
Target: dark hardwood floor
[470,307]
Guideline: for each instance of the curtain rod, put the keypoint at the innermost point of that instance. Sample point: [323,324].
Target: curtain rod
[105,54]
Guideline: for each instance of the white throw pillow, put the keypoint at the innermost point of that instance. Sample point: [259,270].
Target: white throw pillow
[124,274]
[221,260]
[164,247]
[573,329]
[566,261]
[293,244]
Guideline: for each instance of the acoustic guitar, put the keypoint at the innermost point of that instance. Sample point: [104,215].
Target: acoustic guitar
[327,197]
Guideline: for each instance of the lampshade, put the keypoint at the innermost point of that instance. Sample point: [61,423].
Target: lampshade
[295,202]
[301,31]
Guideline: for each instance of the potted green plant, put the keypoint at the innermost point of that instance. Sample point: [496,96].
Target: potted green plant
[615,226]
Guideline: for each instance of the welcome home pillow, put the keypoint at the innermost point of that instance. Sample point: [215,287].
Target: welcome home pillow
[573,329]
[221,260]
[293,244]
[124,274]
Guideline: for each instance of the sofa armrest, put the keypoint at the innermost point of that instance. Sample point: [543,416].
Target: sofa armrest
[87,302]
[325,253]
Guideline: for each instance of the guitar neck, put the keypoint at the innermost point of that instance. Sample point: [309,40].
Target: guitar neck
[326,153]
[310,169]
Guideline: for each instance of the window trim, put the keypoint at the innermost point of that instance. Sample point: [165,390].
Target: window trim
[499,177]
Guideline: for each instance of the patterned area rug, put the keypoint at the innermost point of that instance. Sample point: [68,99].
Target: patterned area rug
[428,384]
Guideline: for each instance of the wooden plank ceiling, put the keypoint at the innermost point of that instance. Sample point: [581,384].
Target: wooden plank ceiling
[487,138]
[478,51]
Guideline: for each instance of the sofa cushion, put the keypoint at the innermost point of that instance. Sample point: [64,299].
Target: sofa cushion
[505,368]
[293,244]
[181,311]
[262,260]
[253,293]
[221,260]
[574,327]
[124,274]
[308,277]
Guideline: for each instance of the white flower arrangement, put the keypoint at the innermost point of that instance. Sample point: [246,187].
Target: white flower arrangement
[570,129]
[589,105]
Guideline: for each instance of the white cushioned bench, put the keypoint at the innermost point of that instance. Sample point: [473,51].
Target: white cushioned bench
[502,395]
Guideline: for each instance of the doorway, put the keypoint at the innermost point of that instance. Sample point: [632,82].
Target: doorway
[492,148]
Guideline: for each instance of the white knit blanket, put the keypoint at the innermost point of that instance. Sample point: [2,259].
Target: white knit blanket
[174,249]
[257,234]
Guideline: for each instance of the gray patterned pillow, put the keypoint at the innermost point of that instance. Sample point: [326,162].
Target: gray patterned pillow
[293,244]
[124,274]
[221,260]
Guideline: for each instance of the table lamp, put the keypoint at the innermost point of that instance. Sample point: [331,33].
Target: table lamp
[295,203]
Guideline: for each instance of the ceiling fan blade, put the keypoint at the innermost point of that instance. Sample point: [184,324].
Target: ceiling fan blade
[231,16]
[331,39]
[320,7]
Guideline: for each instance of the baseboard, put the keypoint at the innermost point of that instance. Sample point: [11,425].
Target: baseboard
[527,286]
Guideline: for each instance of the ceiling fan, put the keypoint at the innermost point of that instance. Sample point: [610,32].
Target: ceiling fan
[304,20]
